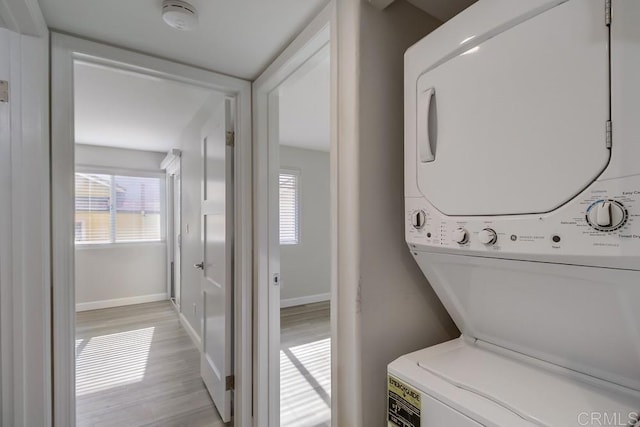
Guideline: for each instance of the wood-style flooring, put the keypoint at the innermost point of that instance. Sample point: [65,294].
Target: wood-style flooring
[305,366]
[136,366]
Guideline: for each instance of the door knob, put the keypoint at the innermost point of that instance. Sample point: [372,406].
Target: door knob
[199,266]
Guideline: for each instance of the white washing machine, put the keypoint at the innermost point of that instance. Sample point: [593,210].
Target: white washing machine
[522,197]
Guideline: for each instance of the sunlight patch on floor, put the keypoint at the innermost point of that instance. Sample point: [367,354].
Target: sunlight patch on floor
[108,361]
[305,384]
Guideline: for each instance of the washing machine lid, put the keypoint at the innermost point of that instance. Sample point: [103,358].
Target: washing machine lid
[534,393]
[517,123]
[582,318]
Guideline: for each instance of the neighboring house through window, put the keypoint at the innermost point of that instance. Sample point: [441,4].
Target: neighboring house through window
[289,207]
[117,208]
[79,230]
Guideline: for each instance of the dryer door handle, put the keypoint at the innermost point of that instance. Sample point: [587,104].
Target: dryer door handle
[425,153]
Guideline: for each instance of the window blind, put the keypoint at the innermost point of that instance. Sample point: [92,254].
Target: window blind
[114,208]
[93,208]
[289,208]
[137,209]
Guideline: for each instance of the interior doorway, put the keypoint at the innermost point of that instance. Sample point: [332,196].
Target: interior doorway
[295,219]
[131,345]
[132,350]
[305,246]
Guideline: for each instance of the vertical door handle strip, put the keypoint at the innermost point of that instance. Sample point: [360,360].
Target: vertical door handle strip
[424,143]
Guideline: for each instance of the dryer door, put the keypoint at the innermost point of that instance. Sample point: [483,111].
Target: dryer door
[517,124]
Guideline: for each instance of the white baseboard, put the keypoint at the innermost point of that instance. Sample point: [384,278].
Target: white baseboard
[118,302]
[290,302]
[195,337]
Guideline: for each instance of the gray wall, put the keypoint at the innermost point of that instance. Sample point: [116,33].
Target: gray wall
[385,302]
[305,268]
[111,272]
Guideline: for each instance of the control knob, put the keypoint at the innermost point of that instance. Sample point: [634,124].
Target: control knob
[418,219]
[460,236]
[606,215]
[488,236]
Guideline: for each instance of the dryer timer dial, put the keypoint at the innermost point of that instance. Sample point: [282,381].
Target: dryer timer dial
[607,215]
[418,219]
[488,236]
[460,236]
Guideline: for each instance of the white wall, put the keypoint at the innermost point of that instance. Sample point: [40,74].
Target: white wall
[93,155]
[119,274]
[305,268]
[386,307]
[304,105]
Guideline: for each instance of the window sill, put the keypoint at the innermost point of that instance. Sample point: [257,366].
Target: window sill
[89,246]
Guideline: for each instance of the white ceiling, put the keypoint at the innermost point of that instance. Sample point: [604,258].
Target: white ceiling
[123,109]
[235,37]
[442,9]
[305,107]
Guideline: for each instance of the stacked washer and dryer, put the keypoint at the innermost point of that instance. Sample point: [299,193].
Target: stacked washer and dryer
[522,199]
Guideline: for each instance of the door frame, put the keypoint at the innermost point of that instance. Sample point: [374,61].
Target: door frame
[25,345]
[314,38]
[64,50]
[172,165]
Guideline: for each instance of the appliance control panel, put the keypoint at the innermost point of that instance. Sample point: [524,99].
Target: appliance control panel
[603,220]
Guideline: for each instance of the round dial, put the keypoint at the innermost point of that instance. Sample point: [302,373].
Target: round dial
[460,236]
[418,219]
[488,236]
[607,215]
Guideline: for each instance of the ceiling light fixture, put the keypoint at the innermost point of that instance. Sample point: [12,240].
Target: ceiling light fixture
[179,14]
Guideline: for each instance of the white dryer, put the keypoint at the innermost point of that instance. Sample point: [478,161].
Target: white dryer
[522,199]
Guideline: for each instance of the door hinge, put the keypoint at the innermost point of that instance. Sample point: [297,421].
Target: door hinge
[609,134]
[607,12]
[4,91]
[231,139]
[230,382]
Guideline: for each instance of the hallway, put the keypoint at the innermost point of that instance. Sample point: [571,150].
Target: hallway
[136,366]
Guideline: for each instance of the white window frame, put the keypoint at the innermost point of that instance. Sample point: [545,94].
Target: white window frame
[113,172]
[298,206]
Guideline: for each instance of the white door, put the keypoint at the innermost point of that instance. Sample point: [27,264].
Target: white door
[217,267]
[517,124]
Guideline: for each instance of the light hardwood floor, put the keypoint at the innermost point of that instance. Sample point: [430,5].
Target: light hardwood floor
[136,366]
[305,366]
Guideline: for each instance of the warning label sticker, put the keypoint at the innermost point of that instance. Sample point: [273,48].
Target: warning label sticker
[404,404]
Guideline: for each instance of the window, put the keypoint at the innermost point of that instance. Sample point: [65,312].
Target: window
[115,208]
[79,230]
[289,208]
